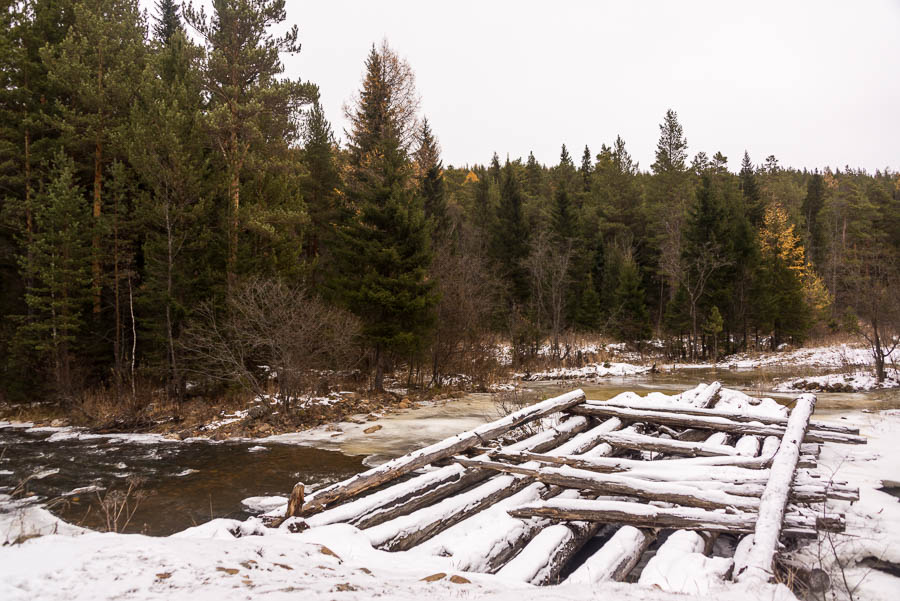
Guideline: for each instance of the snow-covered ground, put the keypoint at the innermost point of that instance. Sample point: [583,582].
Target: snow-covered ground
[588,372]
[858,381]
[837,356]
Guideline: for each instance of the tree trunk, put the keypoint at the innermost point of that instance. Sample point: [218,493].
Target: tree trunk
[95,242]
[879,356]
[379,370]
[175,382]
[234,193]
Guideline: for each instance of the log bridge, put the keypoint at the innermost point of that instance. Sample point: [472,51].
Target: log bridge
[621,475]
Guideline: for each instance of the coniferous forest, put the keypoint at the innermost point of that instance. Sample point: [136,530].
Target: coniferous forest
[177,215]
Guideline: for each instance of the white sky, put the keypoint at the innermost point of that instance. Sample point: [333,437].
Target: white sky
[814,83]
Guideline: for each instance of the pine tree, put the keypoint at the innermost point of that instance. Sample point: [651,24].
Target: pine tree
[533,176]
[384,253]
[671,149]
[168,20]
[632,321]
[250,105]
[752,194]
[98,65]
[811,207]
[58,266]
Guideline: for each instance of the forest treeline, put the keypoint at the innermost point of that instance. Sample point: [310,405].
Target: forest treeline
[176,210]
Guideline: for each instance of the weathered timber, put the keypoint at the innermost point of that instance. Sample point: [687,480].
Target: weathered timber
[773,503]
[643,442]
[747,446]
[545,556]
[666,569]
[295,501]
[767,420]
[675,418]
[620,464]
[616,558]
[643,515]
[424,490]
[617,484]
[445,448]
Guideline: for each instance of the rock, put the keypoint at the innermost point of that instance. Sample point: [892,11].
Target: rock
[434,577]
[59,423]
[257,411]
[372,418]
[343,587]
[372,429]
[229,571]
[456,579]
[404,404]
[264,429]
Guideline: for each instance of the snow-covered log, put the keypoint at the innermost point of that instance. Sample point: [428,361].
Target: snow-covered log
[677,419]
[681,566]
[544,557]
[615,559]
[643,515]
[767,420]
[773,503]
[445,448]
[428,488]
[618,484]
[643,442]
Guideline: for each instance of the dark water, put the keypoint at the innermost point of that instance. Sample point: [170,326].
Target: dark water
[185,483]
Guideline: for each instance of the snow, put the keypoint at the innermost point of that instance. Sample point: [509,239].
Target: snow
[858,381]
[588,372]
[680,566]
[263,504]
[841,355]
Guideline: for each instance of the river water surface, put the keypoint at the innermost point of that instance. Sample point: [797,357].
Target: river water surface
[188,483]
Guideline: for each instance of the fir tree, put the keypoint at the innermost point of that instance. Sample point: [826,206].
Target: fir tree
[321,182]
[510,236]
[751,192]
[632,321]
[811,207]
[431,170]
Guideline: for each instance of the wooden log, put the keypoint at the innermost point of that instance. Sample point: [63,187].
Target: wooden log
[643,515]
[617,484]
[643,442]
[425,489]
[747,446]
[295,501]
[673,418]
[773,503]
[680,565]
[445,448]
[615,559]
[768,420]
[545,556]
[611,465]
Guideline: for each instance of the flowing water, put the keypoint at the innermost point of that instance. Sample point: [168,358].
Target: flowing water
[190,482]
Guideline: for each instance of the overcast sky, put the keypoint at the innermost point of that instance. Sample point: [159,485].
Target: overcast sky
[814,83]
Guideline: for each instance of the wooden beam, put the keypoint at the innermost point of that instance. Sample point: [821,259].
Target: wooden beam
[773,503]
[615,559]
[768,420]
[722,424]
[643,515]
[445,448]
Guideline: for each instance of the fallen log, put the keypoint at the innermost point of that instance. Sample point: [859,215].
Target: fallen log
[643,515]
[425,489]
[643,442]
[674,418]
[545,556]
[617,484]
[768,420]
[680,565]
[773,503]
[615,559]
[445,448]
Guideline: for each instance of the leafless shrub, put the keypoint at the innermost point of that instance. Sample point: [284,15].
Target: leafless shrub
[119,506]
[271,333]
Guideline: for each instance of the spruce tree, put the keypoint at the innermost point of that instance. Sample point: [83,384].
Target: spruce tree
[431,175]
[751,192]
[168,20]
[321,183]
[811,207]
[384,252]
[510,237]
[587,169]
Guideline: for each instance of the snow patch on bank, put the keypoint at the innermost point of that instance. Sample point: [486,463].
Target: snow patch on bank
[859,381]
[588,372]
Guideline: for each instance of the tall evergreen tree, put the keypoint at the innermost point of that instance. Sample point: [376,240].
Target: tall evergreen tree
[431,175]
[510,236]
[168,20]
[385,252]
[751,191]
[250,106]
[587,168]
[321,182]
[811,207]
[98,65]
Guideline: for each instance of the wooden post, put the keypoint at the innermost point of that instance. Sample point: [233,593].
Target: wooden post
[758,567]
